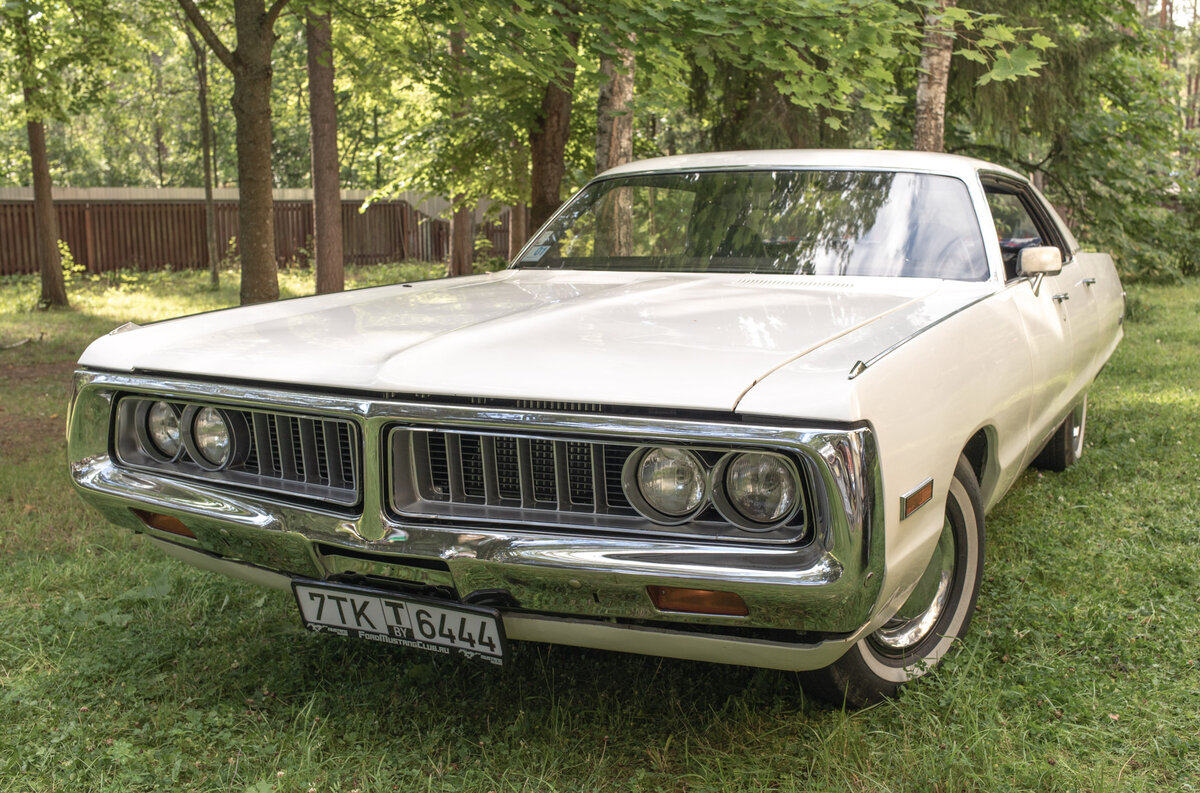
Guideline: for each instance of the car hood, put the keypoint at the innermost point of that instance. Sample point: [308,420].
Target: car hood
[697,341]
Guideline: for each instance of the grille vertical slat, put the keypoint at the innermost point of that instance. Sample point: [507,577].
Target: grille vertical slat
[599,490]
[333,457]
[306,434]
[578,457]
[562,477]
[289,466]
[264,445]
[471,461]
[544,474]
[454,467]
[491,488]
[525,471]
[346,454]
[508,468]
[439,465]
[614,461]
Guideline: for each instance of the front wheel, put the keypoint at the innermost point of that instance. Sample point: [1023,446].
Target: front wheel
[936,614]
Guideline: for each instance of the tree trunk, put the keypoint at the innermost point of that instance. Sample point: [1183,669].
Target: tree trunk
[548,143]
[518,213]
[206,158]
[250,65]
[614,118]
[461,248]
[155,60]
[930,126]
[252,113]
[461,253]
[327,195]
[614,146]
[54,292]
[518,229]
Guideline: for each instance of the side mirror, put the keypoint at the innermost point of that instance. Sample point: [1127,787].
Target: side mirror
[1040,260]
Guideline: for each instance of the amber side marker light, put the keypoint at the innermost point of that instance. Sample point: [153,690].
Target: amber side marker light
[916,499]
[163,523]
[697,601]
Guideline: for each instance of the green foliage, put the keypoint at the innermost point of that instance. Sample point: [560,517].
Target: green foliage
[1101,129]
[1084,93]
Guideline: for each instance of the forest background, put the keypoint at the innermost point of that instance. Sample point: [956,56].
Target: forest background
[516,104]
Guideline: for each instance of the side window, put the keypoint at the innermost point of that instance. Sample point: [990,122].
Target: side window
[1015,227]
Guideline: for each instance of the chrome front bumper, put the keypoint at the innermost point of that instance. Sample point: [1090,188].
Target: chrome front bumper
[806,603]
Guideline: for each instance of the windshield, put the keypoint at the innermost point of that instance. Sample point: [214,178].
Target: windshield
[793,222]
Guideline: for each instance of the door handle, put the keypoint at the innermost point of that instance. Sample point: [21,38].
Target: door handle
[1061,297]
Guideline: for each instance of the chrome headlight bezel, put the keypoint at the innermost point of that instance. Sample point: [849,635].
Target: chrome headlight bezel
[631,481]
[237,436]
[726,502]
[146,435]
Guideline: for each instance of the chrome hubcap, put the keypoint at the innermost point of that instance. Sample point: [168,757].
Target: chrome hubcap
[920,613]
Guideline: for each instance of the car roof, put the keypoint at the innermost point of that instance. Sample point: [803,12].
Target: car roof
[840,159]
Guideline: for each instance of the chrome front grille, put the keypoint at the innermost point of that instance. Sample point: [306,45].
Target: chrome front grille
[310,457]
[498,477]
[515,472]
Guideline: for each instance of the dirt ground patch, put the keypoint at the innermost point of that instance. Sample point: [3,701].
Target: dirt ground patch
[12,374]
[24,436]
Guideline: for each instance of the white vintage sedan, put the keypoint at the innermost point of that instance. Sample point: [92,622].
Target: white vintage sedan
[748,408]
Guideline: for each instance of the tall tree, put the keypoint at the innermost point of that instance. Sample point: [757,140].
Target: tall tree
[327,195]
[518,213]
[31,42]
[461,248]
[250,64]
[614,114]
[61,51]
[45,220]
[548,137]
[614,145]
[929,129]
[200,59]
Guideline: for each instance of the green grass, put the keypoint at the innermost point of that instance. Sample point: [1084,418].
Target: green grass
[121,670]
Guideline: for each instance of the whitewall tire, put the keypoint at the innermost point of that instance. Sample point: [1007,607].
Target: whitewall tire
[935,616]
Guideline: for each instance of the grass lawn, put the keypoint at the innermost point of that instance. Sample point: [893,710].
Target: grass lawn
[122,670]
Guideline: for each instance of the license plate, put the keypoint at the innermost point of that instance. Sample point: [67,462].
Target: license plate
[381,616]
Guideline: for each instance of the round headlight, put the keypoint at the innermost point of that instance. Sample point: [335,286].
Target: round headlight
[671,481]
[761,487]
[162,425]
[210,434]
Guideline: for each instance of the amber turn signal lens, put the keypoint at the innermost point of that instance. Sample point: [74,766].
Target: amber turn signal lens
[164,523]
[697,601]
[916,499]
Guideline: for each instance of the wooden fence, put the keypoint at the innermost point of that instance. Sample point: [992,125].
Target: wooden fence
[105,235]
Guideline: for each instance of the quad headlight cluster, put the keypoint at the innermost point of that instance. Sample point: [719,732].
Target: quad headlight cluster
[210,437]
[755,491]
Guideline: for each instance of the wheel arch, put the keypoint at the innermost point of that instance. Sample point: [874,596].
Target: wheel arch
[980,451]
